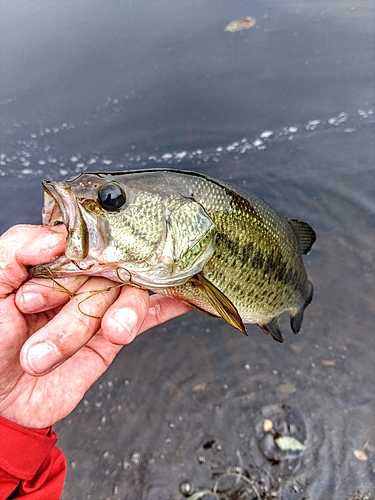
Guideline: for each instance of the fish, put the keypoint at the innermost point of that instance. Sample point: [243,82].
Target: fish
[211,244]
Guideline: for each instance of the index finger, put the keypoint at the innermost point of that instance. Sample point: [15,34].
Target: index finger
[23,246]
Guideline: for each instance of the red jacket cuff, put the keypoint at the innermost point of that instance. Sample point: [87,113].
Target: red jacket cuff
[23,449]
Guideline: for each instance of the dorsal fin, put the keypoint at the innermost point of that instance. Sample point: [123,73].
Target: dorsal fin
[305,234]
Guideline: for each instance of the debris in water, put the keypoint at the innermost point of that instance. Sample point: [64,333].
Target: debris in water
[186,488]
[289,443]
[204,495]
[328,362]
[240,24]
[241,492]
[135,458]
[200,387]
[360,455]
[268,425]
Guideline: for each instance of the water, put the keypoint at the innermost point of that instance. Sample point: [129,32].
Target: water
[285,109]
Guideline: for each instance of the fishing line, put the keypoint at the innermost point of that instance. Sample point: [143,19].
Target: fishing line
[63,289]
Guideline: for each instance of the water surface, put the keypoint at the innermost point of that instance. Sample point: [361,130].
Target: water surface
[285,109]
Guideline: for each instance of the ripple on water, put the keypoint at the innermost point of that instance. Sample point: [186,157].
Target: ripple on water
[38,155]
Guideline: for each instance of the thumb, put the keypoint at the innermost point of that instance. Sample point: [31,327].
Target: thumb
[23,246]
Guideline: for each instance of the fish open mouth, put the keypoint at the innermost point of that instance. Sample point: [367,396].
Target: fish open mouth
[61,207]
[52,215]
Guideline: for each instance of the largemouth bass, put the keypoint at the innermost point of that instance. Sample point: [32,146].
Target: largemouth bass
[206,242]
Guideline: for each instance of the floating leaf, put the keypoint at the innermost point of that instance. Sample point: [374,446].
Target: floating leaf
[360,455]
[240,24]
[289,443]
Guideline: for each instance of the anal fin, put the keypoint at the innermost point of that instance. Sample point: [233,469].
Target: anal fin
[273,329]
[222,305]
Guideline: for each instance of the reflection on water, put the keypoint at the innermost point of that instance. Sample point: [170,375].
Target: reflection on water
[283,109]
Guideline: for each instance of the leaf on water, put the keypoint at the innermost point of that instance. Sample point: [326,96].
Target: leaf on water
[289,443]
[360,455]
[240,24]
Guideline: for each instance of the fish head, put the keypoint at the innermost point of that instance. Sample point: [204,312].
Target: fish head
[135,222]
[107,221]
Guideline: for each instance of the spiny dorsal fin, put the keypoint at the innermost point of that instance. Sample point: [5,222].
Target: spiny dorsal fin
[222,305]
[305,235]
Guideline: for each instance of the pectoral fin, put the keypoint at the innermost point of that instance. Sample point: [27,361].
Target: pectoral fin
[222,305]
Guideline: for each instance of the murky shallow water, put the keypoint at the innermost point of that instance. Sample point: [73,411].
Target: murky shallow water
[283,109]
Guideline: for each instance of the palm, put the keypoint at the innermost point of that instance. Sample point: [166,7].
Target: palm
[41,401]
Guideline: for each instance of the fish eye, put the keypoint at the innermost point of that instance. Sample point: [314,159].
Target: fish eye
[111,197]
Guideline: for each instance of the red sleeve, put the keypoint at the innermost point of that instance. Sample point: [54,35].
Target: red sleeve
[31,467]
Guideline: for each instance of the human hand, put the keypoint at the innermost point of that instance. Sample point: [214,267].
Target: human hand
[51,353]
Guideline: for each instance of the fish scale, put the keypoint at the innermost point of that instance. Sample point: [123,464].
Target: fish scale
[236,264]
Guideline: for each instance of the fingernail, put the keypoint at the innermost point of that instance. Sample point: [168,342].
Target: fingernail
[59,228]
[124,321]
[42,357]
[33,301]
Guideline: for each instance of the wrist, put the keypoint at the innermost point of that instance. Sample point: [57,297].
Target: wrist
[14,439]
[23,419]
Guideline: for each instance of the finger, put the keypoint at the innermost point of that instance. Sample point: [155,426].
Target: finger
[124,318]
[70,329]
[41,294]
[135,312]
[162,309]
[25,245]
